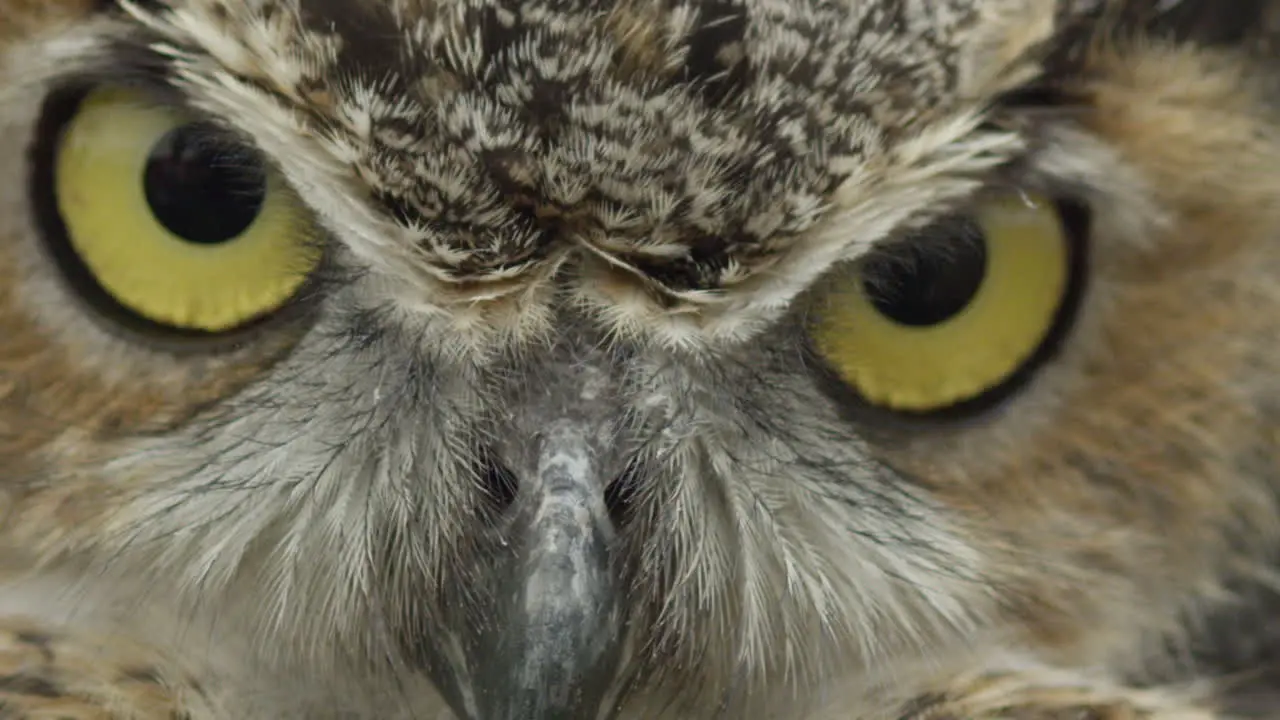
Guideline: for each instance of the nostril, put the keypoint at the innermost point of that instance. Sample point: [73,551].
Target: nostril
[499,484]
[620,495]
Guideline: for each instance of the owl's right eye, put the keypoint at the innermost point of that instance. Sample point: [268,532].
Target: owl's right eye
[160,218]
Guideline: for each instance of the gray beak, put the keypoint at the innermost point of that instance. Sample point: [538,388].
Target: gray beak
[557,651]
[550,646]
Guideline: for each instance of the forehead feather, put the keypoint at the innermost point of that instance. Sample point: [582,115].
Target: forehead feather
[688,142]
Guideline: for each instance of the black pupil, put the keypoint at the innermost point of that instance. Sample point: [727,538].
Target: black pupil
[927,282]
[203,191]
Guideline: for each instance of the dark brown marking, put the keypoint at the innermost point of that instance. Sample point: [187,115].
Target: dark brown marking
[27,685]
[146,675]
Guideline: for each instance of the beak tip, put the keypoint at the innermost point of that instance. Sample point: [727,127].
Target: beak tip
[557,650]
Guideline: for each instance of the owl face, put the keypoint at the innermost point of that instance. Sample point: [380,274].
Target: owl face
[556,359]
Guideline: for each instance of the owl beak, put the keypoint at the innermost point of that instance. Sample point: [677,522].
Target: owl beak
[553,645]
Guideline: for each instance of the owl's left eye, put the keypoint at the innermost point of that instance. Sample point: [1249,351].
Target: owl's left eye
[957,313]
[158,215]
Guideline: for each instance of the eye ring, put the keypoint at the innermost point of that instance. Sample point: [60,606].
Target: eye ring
[1075,221]
[61,107]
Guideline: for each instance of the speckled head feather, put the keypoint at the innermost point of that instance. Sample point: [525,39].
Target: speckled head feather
[701,161]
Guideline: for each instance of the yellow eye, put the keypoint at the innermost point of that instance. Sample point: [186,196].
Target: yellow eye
[948,317]
[175,222]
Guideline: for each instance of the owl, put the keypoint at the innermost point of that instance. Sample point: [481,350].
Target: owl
[639,359]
